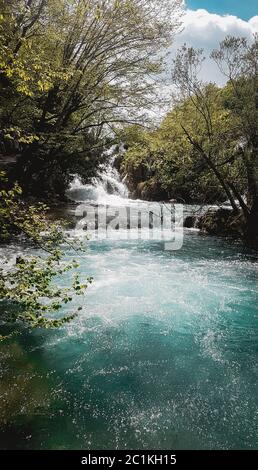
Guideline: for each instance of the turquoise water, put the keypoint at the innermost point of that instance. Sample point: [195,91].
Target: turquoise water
[163,355]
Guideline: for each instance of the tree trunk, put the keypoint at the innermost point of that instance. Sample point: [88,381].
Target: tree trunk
[207,158]
[252,226]
[241,201]
[252,223]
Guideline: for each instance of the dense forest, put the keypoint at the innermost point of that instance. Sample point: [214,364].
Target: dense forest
[71,72]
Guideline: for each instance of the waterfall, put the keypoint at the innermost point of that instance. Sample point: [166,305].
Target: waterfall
[106,188]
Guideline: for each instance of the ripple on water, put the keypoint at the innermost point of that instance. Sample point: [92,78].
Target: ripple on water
[164,354]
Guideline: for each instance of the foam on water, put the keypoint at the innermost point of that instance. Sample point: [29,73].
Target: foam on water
[106,188]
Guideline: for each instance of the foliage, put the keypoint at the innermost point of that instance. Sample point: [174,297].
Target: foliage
[237,59]
[27,290]
[168,157]
[207,145]
[70,70]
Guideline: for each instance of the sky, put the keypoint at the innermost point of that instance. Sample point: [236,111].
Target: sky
[244,9]
[207,22]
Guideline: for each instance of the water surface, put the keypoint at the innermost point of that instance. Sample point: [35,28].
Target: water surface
[163,355]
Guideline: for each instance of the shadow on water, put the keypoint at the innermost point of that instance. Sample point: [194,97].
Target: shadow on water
[27,390]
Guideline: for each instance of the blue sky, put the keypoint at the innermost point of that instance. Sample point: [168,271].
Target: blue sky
[244,9]
[207,22]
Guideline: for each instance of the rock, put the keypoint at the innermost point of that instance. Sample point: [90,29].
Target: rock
[190,221]
[150,191]
[222,222]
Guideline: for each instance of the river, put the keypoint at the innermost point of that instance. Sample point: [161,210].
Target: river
[163,355]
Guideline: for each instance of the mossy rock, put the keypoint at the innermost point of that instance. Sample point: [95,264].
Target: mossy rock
[222,222]
[150,191]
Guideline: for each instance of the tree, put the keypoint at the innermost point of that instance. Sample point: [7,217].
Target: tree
[212,134]
[238,61]
[165,157]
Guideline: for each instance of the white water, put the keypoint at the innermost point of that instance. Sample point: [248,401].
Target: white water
[106,188]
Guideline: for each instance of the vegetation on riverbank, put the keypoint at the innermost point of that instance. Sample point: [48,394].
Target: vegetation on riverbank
[27,291]
[206,148]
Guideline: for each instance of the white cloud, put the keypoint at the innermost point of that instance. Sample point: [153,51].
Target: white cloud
[205,30]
